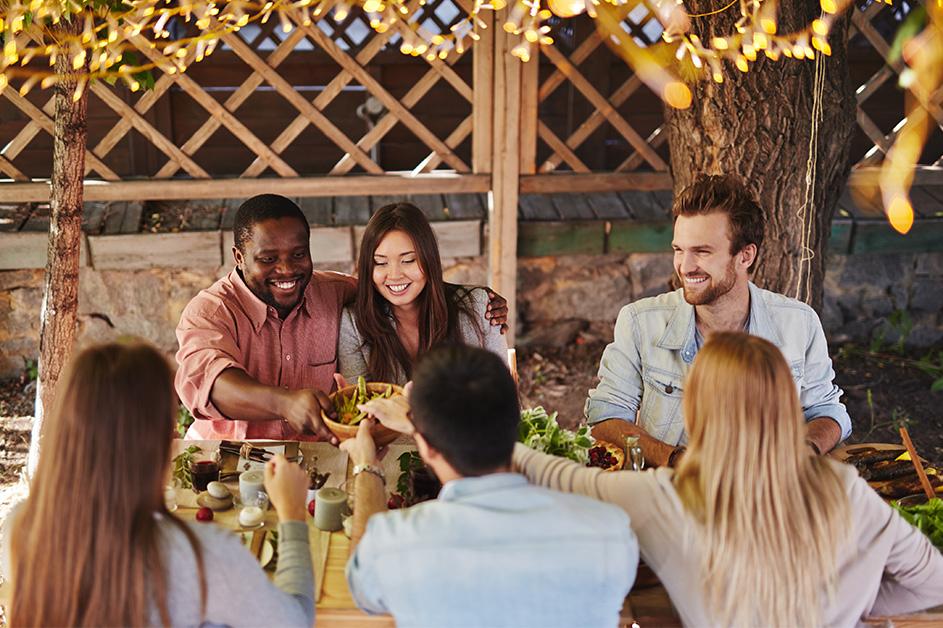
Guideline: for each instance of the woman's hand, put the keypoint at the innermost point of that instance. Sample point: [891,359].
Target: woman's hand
[286,484]
[362,449]
[497,310]
[392,412]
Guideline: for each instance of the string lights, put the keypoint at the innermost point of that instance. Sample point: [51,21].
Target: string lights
[104,47]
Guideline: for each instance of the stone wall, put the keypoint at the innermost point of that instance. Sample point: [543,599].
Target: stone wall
[557,297]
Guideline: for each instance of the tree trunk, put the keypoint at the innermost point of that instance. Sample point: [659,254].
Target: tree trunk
[61,284]
[758,125]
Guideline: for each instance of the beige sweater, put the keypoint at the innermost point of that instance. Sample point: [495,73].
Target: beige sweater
[888,567]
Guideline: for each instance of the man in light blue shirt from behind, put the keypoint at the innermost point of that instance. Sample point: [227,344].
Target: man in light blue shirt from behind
[492,551]
[718,234]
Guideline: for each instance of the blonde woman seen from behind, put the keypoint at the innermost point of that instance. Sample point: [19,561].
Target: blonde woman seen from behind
[753,529]
[94,544]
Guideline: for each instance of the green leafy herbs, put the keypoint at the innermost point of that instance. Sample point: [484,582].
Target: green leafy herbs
[181,466]
[409,462]
[346,406]
[184,421]
[928,518]
[540,431]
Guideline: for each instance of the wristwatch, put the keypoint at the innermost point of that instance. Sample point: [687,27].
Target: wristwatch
[369,468]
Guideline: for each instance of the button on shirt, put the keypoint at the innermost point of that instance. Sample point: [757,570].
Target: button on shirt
[226,326]
[495,551]
[642,372]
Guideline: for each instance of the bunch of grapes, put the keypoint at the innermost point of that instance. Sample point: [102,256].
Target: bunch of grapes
[601,457]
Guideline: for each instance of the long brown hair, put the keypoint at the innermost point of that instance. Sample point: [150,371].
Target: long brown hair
[771,515]
[85,547]
[439,303]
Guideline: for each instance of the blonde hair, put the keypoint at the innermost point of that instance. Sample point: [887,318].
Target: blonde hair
[85,547]
[771,515]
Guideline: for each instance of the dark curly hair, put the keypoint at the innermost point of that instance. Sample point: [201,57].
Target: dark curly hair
[260,208]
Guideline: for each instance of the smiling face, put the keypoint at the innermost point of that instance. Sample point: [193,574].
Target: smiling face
[397,274]
[276,264]
[703,260]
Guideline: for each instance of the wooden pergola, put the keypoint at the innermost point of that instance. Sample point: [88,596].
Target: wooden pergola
[276,112]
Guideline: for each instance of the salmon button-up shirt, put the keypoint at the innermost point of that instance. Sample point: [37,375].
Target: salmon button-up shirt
[226,326]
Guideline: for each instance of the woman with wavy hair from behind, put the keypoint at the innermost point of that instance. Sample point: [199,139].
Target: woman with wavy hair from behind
[753,529]
[404,307]
[94,545]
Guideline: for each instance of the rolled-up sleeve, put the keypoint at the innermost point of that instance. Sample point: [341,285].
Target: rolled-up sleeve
[819,395]
[207,338]
[620,375]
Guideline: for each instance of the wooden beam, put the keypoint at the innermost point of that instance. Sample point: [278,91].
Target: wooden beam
[634,236]
[483,71]
[530,84]
[185,189]
[506,161]
[923,175]
[877,237]
[539,239]
[601,182]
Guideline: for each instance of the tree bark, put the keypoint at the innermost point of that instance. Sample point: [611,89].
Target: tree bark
[758,125]
[61,282]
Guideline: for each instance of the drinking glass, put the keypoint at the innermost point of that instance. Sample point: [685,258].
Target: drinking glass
[170,497]
[204,468]
[634,457]
[252,513]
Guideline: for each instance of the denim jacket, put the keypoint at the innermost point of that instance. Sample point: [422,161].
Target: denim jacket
[642,371]
[496,551]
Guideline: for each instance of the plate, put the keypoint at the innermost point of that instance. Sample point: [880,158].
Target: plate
[205,499]
[266,554]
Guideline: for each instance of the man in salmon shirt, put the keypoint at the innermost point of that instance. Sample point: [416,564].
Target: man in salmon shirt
[258,348]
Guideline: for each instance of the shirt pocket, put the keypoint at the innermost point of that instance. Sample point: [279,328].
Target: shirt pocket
[660,412]
[320,368]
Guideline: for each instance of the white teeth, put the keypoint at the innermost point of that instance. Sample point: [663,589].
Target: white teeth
[285,285]
[398,289]
[695,279]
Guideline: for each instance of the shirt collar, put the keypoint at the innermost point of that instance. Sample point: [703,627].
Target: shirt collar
[471,486]
[253,306]
[761,322]
[680,332]
[257,310]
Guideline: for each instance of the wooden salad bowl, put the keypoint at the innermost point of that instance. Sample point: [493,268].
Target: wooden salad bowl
[382,435]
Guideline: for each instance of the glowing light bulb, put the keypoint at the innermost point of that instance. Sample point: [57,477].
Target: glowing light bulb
[901,214]
[567,8]
[677,95]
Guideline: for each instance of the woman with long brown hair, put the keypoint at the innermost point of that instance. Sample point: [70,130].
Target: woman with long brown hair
[404,307]
[94,544]
[753,529]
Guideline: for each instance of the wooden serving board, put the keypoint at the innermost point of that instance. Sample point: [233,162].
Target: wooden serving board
[842,454]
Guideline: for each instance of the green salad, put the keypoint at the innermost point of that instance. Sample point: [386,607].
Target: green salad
[540,430]
[928,518]
[347,411]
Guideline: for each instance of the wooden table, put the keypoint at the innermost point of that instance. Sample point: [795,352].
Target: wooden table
[329,550]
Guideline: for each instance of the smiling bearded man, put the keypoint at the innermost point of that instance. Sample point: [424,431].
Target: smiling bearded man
[718,233]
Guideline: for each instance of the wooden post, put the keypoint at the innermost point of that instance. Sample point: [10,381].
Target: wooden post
[483,94]
[505,177]
[530,101]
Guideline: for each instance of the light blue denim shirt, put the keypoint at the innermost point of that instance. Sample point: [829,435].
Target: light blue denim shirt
[643,370]
[495,551]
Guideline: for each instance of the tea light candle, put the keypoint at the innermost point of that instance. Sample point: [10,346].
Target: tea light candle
[251,516]
[250,483]
[330,505]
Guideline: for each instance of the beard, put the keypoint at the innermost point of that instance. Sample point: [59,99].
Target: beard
[714,289]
